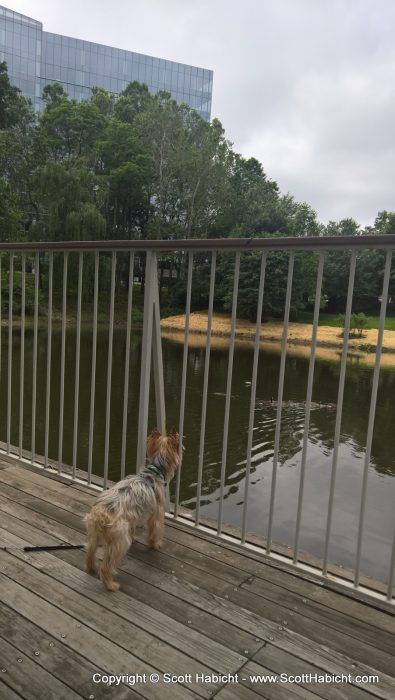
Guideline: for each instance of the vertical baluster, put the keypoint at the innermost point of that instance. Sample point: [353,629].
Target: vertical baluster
[391,578]
[280,401]
[77,362]
[372,413]
[146,355]
[62,361]
[49,357]
[35,332]
[22,365]
[205,388]
[228,392]
[93,372]
[340,396]
[184,380]
[9,378]
[310,380]
[127,365]
[109,369]
[0,309]
[253,396]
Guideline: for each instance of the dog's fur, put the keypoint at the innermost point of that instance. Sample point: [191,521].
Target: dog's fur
[113,519]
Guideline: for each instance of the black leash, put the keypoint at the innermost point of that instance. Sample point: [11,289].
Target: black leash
[43,548]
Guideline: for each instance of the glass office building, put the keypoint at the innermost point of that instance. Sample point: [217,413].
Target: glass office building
[36,58]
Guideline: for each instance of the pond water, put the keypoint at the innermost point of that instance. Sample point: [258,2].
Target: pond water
[380,509]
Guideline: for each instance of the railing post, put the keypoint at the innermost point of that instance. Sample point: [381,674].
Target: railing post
[9,378]
[184,379]
[93,372]
[151,346]
[157,357]
[127,365]
[22,362]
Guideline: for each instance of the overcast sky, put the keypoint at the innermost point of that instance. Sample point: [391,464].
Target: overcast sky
[305,86]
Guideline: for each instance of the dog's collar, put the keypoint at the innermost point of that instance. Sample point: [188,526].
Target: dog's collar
[157,469]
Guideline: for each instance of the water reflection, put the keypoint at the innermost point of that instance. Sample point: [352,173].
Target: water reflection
[381,486]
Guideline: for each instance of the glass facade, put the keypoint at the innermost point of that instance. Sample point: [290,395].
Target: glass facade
[36,58]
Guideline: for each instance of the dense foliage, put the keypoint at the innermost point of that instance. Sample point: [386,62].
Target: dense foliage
[141,166]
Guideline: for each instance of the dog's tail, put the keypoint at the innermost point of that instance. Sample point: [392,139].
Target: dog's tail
[99,520]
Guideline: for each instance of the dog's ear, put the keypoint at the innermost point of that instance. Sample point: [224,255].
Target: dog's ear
[173,435]
[155,433]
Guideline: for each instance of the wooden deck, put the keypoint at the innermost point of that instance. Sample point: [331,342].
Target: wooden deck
[197,608]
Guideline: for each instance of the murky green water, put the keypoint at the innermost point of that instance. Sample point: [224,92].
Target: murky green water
[380,510]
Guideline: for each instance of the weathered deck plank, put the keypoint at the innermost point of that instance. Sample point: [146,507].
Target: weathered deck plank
[198,607]
[143,622]
[60,661]
[179,610]
[136,644]
[297,582]
[28,679]
[297,661]
[84,640]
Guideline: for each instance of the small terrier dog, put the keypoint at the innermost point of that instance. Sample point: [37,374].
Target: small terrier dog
[113,519]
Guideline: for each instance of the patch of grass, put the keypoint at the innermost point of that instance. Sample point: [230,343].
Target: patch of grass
[332,320]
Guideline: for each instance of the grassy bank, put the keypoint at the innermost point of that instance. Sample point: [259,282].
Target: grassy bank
[332,320]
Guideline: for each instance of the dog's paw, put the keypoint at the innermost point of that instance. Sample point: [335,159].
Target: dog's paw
[155,545]
[113,586]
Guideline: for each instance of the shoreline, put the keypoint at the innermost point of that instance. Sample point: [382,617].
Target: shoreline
[329,344]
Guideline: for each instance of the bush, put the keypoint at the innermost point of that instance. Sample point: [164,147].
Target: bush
[171,311]
[17,294]
[358,322]
[137,315]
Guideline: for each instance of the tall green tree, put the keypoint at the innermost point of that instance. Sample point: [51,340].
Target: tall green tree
[124,175]
[17,125]
[10,213]
[12,104]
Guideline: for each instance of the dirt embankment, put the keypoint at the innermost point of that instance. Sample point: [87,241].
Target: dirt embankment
[329,339]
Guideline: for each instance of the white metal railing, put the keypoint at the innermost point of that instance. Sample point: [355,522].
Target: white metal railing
[152,353]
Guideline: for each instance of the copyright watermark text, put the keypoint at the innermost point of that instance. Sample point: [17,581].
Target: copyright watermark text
[270,679]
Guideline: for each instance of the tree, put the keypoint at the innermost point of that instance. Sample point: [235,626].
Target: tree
[69,129]
[10,213]
[345,227]
[135,99]
[337,265]
[252,200]
[358,322]
[277,265]
[66,193]
[17,125]
[203,174]
[123,171]
[384,223]
[12,104]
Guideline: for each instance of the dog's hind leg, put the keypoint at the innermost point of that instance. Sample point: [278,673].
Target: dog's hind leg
[132,533]
[90,559]
[115,549]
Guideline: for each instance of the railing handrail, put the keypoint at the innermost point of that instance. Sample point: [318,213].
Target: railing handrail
[381,241]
